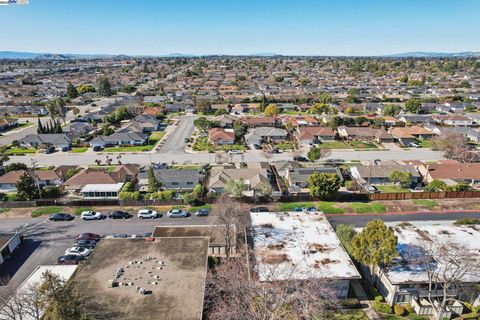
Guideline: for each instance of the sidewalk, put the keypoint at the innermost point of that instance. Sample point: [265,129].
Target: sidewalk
[364,301]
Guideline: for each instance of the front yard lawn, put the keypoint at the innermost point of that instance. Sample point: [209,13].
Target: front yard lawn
[363,145]
[334,145]
[202,144]
[425,143]
[14,151]
[46,210]
[155,137]
[391,189]
[285,146]
[372,207]
[129,149]
[79,150]
[350,315]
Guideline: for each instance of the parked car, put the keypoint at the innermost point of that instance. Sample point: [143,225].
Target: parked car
[148,214]
[257,146]
[88,236]
[92,215]
[177,213]
[235,152]
[65,149]
[78,251]
[305,209]
[69,259]
[97,148]
[187,140]
[89,244]
[117,235]
[61,217]
[119,215]
[259,209]
[300,159]
[49,150]
[202,212]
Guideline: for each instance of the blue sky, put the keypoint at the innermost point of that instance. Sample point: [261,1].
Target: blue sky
[309,27]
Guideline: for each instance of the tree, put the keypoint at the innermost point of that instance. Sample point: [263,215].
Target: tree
[447,265]
[345,234]
[413,105]
[3,155]
[228,213]
[153,184]
[240,130]
[271,110]
[40,128]
[85,88]
[202,106]
[235,188]
[452,144]
[202,124]
[320,108]
[56,108]
[335,122]
[104,88]
[404,178]
[15,166]
[375,245]
[435,186]
[391,110]
[107,130]
[323,185]
[315,153]
[26,188]
[72,92]
[325,98]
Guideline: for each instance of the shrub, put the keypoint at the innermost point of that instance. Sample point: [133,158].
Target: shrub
[379,298]
[161,195]
[351,303]
[399,310]
[467,221]
[381,307]
[126,195]
[50,192]
[409,308]
[350,185]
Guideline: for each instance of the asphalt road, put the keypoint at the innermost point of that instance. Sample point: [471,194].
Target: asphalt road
[45,241]
[175,142]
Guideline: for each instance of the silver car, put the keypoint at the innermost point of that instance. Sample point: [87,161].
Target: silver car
[177,213]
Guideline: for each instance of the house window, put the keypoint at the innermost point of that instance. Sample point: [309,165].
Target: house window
[189,183]
[402,298]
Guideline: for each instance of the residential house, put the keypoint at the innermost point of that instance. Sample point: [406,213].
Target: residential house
[77,129]
[142,123]
[120,139]
[259,121]
[259,135]
[58,140]
[246,108]
[8,181]
[365,134]
[454,120]
[416,119]
[90,176]
[101,191]
[408,135]
[309,135]
[380,174]
[8,123]
[300,121]
[282,167]
[297,178]
[254,178]
[178,179]
[221,136]
[226,120]
[452,173]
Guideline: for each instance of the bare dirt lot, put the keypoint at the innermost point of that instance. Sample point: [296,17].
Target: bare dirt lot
[172,270]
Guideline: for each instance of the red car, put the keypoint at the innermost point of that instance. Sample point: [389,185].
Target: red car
[88,236]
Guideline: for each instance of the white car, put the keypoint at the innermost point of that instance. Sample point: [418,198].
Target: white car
[78,251]
[235,151]
[177,213]
[91,215]
[148,214]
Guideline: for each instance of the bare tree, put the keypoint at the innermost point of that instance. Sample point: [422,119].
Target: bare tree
[231,295]
[20,304]
[228,213]
[448,267]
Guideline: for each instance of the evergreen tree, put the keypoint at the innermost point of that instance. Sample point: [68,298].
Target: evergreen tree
[72,92]
[104,88]
[153,183]
[40,128]
[26,188]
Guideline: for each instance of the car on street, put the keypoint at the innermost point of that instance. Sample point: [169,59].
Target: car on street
[49,150]
[78,251]
[61,217]
[88,236]
[119,215]
[300,159]
[92,215]
[187,140]
[69,259]
[177,213]
[259,209]
[89,244]
[97,148]
[235,152]
[66,149]
[148,214]
[201,212]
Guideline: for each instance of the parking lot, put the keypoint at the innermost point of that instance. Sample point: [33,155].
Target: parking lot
[45,241]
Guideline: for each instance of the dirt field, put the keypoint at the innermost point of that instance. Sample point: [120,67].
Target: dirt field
[171,269]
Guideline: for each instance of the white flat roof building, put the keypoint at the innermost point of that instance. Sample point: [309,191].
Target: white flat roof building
[299,246]
[102,191]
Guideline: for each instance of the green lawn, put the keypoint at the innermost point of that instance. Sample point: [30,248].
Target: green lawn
[363,145]
[426,203]
[79,150]
[372,207]
[192,209]
[391,189]
[104,167]
[155,137]
[14,151]
[350,315]
[329,208]
[202,144]
[46,210]
[425,143]
[292,205]
[284,146]
[334,145]
[129,149]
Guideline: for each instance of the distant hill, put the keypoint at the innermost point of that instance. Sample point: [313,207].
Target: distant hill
[421,54]
[48,56]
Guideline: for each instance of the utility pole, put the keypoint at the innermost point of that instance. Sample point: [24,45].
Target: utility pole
[34,164]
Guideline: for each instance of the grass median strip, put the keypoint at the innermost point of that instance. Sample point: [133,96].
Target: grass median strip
[45,210]
[329,208]
[373,207]
[292,205]
[426,203]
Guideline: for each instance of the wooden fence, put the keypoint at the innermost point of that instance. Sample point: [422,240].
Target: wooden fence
[424,195]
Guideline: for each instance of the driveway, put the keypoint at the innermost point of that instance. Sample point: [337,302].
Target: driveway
[175,142]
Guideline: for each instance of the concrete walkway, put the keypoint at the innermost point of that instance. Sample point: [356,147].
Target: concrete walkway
[364,301]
